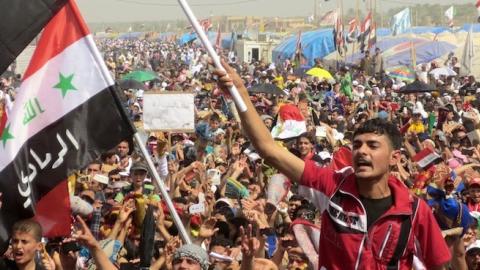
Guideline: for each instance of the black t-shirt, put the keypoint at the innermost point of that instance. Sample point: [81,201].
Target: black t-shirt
[7,265]
[376,208]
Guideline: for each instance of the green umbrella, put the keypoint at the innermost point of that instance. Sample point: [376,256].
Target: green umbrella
[141,76]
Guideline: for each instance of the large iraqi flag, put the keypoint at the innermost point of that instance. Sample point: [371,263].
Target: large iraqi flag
[21,22]
[65,114]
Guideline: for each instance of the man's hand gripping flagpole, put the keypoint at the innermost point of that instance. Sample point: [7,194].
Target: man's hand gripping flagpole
[216,59]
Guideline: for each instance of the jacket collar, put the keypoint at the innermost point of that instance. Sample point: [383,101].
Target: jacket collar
[401,196]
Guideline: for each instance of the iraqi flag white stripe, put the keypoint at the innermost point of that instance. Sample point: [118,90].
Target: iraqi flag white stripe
[89,78]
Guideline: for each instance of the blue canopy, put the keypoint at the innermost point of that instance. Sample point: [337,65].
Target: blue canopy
[130,35]
[383,45]
[315,44]
[191,36]
[475,27]
[425,52]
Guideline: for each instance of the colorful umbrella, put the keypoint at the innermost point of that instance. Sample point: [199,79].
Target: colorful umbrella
[141,76]
[131,84]
[320,73]
[402,72]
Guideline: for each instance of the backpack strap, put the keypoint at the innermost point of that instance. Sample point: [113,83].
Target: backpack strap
[403,237]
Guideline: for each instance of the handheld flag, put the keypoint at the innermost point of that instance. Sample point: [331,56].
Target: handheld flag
[401,22]
[290,123]
[65,115]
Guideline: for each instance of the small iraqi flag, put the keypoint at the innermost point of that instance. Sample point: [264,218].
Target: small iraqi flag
[290,123]
[65,115]
[426,157]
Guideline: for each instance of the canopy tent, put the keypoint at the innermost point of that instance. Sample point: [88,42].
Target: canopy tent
[383,45]
[398,51]
[130,35]
[315,44]
[425,52]
[167,36]
[192,36]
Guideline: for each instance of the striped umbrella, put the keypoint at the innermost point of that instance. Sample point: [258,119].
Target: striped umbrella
[401,72]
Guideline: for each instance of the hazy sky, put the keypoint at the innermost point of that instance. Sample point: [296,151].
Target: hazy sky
[154,10]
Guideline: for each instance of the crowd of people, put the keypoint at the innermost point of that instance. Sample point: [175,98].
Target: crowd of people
[248,201]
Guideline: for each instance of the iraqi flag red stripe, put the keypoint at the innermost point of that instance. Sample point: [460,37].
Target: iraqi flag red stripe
[62,35]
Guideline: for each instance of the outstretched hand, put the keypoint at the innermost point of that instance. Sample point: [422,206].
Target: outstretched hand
[250,243]
[84,236]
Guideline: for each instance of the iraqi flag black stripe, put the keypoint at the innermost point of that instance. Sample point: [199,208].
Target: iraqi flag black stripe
[80,136]
[21,21]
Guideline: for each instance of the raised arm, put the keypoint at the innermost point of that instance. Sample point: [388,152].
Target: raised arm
[283,160]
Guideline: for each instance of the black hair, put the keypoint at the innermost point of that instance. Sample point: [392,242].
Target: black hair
[221,241]
[307,136]
[296,198]
[181,200]
[381,127]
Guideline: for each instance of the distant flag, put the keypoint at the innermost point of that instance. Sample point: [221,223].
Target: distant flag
[65,115]
[21,23]
[468,54]
[401,22]
[206,25]
[232,41]
[218,39]
[352,31]
[449,13]
[338,36]
[365,31]
[298,57]
[311,18]
[329,18]
[290,123]
[372,38]
[477,5]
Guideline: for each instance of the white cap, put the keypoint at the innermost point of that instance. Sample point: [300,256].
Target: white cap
[355,83]
[218,132]
[100,178]
[475,245]
[324,155]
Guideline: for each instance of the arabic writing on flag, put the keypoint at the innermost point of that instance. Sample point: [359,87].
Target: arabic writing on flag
[65,115]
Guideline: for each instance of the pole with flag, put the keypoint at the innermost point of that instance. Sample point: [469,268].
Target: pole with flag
[218,39]
[216,59]
[401,22]
[468,54]
[449,13]
[477,5]
[65,115]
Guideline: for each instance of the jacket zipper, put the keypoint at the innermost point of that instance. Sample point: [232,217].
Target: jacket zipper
[366,233]
[389,231]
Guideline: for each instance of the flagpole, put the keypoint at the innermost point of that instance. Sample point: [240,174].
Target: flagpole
[141,144]
[176,218]
[216,59]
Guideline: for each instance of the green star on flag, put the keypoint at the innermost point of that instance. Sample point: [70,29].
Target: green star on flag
[65,84]
[6,135]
